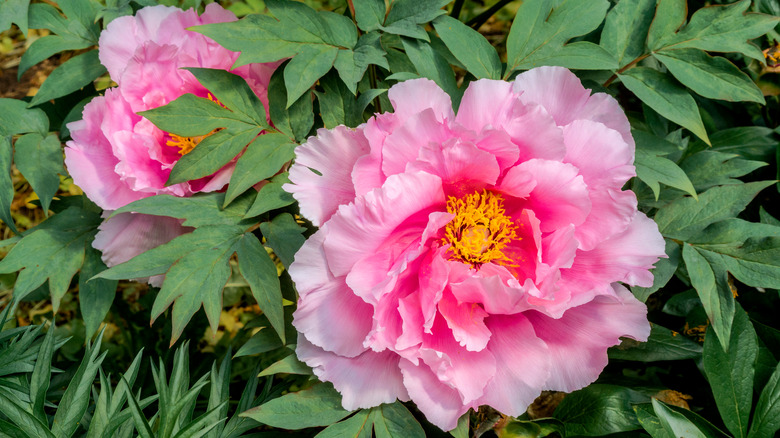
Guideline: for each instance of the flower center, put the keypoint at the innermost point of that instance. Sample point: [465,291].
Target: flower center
[187,144]
[480,230]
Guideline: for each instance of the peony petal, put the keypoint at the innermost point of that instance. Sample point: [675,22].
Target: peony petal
[331,154]
[578,341]
[405,143]
[440,403]
[365,381]
[522,364]
[466,322]
[486,104]
[535,133]
[458,163]
[600,153]
[556,89]
[126,235]
[416,95]
[603,108]
[626,257]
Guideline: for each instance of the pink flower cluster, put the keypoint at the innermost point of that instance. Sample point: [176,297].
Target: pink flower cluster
[471,259]
[116,156]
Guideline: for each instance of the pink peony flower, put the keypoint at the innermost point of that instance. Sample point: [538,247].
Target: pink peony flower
[117,156]
[471,259]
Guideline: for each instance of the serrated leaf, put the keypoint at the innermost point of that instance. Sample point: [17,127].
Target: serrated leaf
[53,254]
[766,420]
[663,344]
[260,272]
[469,47]
[730,373]
[653,169]
[70,76]
[674,423]
[669,16]
[395,421]
[666,97]
[625,29]
[194,280]
[95,297]
[263,158]
[711,77]
[685,217]
[599,410]
[711,283]
[295,121]
[723,28]
[539,32]
[39,159]
[319,405]
[197,210]
[284,236]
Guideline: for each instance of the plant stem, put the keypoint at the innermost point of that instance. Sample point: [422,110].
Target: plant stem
[626,67]
[456,8]
[480,19]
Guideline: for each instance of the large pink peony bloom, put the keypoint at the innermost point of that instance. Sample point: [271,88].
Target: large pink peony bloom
[117,156]
[471,259]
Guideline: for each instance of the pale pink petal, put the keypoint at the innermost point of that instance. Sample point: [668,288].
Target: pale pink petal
[535,133]
[499,144]
[522,364]
[603,108]
[612,211]
[486,104]
[498,293]
[440,403]
[626,257]
[467,322]
[404,144]
[578,341]
[362,228]
[600,153]
[365,381]
[556,89]
[415,96]
[321,175]
[458,163]
[127,235]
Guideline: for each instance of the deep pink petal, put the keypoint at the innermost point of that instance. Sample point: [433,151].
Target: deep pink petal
[467,322]
[331,154]
[365,381]
[578,341]
[458,163]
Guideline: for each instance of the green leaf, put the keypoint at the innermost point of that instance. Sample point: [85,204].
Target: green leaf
[711,283]
[233,92]
[669,16]
[663,344]
[255,36]
[432,65]
[599,410]
[288,365]
[685,217]
[75,400]
[261,342]
[395,421]
[198,210]
[469,47]
[406,17]
[53,254]
[711,77]
[653,169]
[158,260]
[662,273]
[539,32]
[96,296]
[310,64]
[284,236]
[14,11]
[41,376]
[675,424]
[625,29]
[647,417]
[369,14]
[730,373]
[725,28]
[751,142]
[195,279]
[6,183]
[262,159]
[141,425]
[666,97]
[16,118]
[295,121]
[356,426]
[756,262]
[39,159]
[766,420]
[710,168]
[337,106]
[271,196]
[319,405]
[24,420]
[70,76]
[260,272]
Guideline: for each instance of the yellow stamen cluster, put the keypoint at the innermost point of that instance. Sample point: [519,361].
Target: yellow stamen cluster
[187,144]
[480,230]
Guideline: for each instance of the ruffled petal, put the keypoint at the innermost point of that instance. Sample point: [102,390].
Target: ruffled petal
[578,341]
[321,175]
[486,104]
[416,95]
[365,381]
[602,156]
[467,322]
[440,403]
[556,89]
[458,163]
